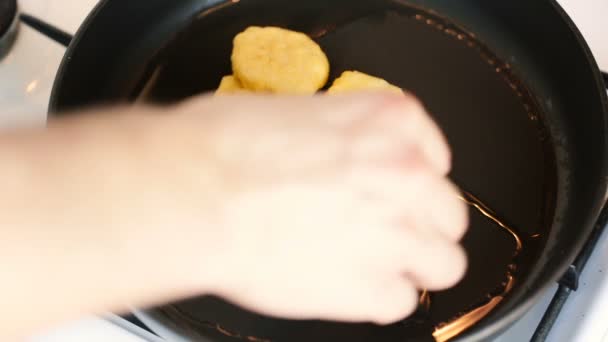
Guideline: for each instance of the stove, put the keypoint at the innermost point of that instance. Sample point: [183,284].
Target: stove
[33,35]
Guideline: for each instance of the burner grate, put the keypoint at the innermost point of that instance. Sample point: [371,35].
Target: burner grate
[569,283]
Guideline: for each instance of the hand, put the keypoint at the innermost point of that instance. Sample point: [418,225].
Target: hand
[333,208]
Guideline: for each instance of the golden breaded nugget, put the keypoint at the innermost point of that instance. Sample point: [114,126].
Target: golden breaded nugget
[276,60]
[357,81]
[229,84]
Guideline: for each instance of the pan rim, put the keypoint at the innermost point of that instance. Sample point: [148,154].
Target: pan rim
[530,300]
[65,61]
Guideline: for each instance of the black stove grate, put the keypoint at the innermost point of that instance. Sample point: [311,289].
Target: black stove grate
[569,283]
[46,29]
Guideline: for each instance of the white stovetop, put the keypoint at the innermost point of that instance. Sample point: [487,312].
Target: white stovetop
[31,68]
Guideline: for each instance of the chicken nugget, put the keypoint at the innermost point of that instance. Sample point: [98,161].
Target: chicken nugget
[351,81]
[229,84]
[276,60]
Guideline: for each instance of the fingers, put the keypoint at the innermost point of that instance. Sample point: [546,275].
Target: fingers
[428,201]
[381,301]
[408,182]
[394,301]
[425,220]
[438,205]
[404,122]
[428,261]
[422,131]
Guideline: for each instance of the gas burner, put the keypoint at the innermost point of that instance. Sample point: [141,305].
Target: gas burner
[8,25]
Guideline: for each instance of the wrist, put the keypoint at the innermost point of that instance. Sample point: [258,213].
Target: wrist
[182,214]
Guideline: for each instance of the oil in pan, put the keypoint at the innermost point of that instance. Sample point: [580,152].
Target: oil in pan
[502,154]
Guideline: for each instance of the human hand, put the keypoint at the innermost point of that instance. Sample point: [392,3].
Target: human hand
[334,208]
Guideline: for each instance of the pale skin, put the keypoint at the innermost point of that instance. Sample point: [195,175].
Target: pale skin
[333,207]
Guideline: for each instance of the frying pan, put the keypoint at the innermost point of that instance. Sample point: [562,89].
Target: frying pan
[512,83]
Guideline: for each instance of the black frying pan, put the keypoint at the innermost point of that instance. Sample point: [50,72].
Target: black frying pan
[512,83]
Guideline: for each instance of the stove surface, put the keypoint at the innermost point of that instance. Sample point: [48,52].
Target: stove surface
[27,75]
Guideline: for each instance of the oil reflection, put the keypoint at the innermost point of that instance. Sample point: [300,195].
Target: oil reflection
[446,331]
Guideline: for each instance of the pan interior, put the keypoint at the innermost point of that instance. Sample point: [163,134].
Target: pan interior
[502,153]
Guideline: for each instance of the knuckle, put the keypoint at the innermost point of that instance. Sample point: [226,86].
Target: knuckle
[458,224]
[411,101]
[461,220]
[455,211]
[415,161]
[456,268]
[443,271]
[396,110]
[397,305]
[445,157]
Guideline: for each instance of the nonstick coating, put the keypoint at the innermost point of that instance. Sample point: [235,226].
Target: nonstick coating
[122,41]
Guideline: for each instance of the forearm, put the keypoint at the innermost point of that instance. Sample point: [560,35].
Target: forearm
[86,217]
